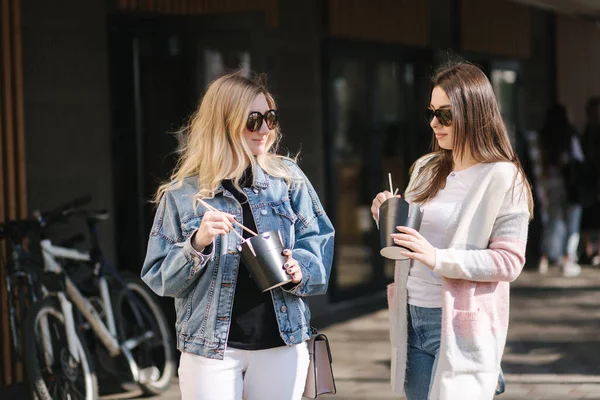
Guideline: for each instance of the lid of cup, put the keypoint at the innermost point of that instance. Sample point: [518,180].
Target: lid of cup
[393,253]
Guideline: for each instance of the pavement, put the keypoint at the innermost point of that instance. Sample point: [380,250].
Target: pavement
[552,353]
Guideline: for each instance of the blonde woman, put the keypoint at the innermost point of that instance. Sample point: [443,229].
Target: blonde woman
[449,304]
[237,342]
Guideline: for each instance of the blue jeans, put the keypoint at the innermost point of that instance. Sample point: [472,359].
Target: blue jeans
[561,236]
[424,335]
[424,332]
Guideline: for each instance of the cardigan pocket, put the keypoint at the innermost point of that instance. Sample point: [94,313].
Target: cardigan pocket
[471,345]
[394,313]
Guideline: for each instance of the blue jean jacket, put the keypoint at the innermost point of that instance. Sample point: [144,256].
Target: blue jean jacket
[204,287]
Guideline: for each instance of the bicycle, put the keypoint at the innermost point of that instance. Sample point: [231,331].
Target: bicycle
[133,340]
[21,282]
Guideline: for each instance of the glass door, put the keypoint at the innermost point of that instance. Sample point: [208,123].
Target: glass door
[504,82]
[371,132]
[352,147]
[159,69]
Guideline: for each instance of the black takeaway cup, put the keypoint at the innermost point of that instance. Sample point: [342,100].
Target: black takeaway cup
[262,255]
[392,213]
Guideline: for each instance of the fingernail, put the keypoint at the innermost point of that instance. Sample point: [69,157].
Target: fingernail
[287,265]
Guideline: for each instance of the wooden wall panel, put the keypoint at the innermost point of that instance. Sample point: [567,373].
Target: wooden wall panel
[392,21]
[495,27]
[577,64]
[13,196]
[191,7]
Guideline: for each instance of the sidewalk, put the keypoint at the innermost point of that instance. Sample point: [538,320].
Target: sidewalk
[553,349]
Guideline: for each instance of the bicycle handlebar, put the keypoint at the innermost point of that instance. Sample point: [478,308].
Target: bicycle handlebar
[48,217]
[74,204]
[18,228]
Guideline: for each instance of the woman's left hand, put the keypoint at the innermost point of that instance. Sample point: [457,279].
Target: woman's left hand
[422,250]
[292,268]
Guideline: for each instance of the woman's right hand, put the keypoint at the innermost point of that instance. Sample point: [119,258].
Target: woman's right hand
[378,201]
[213,223]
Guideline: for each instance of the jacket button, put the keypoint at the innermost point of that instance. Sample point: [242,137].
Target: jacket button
[283,308]
[291,338]
[263,211]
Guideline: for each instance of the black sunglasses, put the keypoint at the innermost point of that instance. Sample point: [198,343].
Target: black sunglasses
[255,120]
[443,115]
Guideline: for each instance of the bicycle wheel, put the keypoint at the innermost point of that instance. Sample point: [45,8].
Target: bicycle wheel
[52,372]
[21,296]
[139,319]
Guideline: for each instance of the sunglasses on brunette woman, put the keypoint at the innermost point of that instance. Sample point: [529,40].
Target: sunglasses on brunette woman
[443,115]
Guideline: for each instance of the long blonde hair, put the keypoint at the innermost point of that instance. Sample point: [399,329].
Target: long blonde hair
[213,147]
[478,128]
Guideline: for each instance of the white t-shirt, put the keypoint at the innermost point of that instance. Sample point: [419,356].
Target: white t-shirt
[425,286]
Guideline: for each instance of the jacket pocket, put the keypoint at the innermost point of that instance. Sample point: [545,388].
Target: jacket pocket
[183,309]
[286,221]
[471,345]
[190,224]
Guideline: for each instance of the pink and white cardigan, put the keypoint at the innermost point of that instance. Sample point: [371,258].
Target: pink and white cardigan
[484,251]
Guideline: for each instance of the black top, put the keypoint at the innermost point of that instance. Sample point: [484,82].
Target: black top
[253,320]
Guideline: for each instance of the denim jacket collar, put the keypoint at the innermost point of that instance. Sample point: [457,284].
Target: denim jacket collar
[261,181]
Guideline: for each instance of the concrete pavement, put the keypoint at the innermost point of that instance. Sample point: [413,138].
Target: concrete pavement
[553,350]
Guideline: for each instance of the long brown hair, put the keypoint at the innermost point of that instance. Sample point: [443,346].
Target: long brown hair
[479,130]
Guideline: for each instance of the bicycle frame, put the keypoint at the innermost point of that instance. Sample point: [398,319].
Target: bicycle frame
[106,334]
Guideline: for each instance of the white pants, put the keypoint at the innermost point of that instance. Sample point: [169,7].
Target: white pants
[272,374]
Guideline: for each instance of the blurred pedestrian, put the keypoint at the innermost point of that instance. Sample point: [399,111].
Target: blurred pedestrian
[564,190]
[590,224]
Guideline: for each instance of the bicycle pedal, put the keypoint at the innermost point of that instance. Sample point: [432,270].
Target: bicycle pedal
[149,374]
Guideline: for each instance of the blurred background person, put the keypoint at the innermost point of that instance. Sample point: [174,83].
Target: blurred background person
[590,225]
[562,192]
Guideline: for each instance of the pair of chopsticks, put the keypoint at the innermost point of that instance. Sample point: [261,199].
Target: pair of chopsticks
[392,186]
[211,208]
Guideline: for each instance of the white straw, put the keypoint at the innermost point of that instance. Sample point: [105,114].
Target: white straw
[391,186]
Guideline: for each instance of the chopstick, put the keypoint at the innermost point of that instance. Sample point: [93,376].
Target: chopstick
[211,208]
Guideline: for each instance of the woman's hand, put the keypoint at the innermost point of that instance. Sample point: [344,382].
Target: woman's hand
[378,201]
[292,268]
[213,223]
[422,250]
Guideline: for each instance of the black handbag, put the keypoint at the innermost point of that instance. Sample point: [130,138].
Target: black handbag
[320,372]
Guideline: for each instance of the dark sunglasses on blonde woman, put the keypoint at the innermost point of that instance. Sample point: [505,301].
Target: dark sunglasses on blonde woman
[255,120]
[443,115]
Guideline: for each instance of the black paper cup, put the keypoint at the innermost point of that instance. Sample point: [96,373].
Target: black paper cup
[392,213]
[262,255]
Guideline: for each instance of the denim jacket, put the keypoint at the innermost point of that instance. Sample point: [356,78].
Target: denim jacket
[204,287]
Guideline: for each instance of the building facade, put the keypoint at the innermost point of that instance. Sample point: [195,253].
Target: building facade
[93,92]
